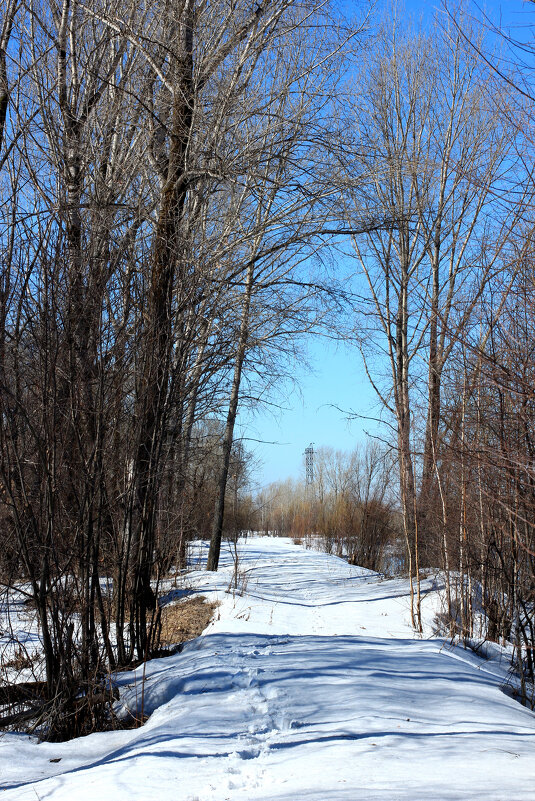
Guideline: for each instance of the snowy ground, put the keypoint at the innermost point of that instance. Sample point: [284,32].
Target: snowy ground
[309,687]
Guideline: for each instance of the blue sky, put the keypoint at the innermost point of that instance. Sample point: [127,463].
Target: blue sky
[318,412]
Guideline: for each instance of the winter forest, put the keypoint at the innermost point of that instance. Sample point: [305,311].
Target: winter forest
[191,190]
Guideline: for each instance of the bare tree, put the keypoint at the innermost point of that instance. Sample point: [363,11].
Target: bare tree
[295,213]
[436,156]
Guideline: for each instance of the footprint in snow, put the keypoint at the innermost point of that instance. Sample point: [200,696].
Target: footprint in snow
[270,692]
[249,753]
[244,679]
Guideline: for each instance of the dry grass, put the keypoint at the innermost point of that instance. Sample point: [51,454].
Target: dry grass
[20,660]
[186,620]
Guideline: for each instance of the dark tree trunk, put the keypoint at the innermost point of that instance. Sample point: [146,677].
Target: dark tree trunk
[157,362]
[228,437]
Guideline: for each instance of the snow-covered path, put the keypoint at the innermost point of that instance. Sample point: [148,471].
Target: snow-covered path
[309,687]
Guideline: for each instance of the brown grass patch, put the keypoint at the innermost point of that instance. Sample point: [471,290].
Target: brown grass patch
[20,660]
[186,620]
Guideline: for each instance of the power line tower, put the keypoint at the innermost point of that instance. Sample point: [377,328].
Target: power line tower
[309,466]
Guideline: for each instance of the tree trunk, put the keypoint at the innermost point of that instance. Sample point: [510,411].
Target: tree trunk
[228,437]
[159,320]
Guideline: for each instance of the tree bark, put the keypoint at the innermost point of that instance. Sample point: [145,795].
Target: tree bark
[228,436]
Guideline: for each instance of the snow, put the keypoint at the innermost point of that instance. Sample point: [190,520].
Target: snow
[308,685]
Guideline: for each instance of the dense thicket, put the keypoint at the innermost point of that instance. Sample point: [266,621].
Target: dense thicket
[161,185]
